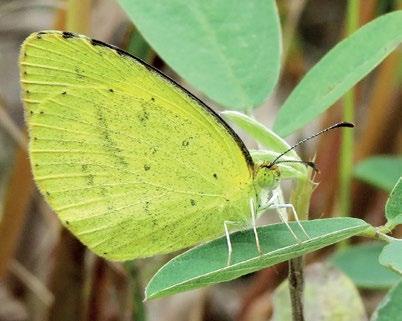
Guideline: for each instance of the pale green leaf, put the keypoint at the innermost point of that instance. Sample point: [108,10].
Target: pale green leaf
[230,50]
[360,263]
[393,208]
[390,307]
[391,256]
[380,171]
[338,71]
[207,263]
[267,138]
[259,132]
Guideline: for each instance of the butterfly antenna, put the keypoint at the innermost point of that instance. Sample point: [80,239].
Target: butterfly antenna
[311,164]
[307,163]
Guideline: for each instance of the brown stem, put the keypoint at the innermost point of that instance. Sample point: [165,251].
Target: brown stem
[296,287]
[67,279]
[300,199]
[98,294]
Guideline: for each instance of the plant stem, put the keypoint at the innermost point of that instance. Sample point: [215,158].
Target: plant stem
[300,199]
[296,287]
[138,308]
[346,161]
[379,233]
[347,143]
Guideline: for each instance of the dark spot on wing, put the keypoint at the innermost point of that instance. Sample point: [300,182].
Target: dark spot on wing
[146,206]
[147,167]
[215,176]
[79,72]
[84,167]
[67,35]
[152,99]
[153,150]
[64,93]
[31,112]
[187,141]
[47,193]
[104,253]
[143,116]
[111,90]
[35,138]
[108,140]
[41,112]
[91,179]
[192,202]
[25,73]
[67,222]
[27,92]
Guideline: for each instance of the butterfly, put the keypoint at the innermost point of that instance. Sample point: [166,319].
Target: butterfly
[132,163]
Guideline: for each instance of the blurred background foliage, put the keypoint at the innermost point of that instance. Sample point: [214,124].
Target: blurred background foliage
[46,274]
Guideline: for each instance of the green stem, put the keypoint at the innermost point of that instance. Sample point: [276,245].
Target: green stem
[138,308]
[379,233]
[346,157]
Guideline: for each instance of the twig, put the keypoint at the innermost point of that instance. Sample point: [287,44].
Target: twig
[296,287]
[300,199]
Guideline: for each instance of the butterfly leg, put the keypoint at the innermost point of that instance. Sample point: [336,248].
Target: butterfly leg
[229,244]
[285,220]
[295,216]
[253,221]
[276,202]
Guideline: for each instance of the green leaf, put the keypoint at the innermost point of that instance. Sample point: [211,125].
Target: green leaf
[259,132]
[390,307]
[338,71]
[380,171]
[360,263]
[328,296]
[230,50]
[270,140]
[207,264]
[393,208]
[391,256]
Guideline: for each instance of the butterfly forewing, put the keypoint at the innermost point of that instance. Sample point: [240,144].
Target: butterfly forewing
[131,163]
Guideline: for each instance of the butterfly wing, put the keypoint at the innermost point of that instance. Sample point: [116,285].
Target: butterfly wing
[131,162]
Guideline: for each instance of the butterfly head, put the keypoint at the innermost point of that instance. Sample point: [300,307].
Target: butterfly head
[267,176]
